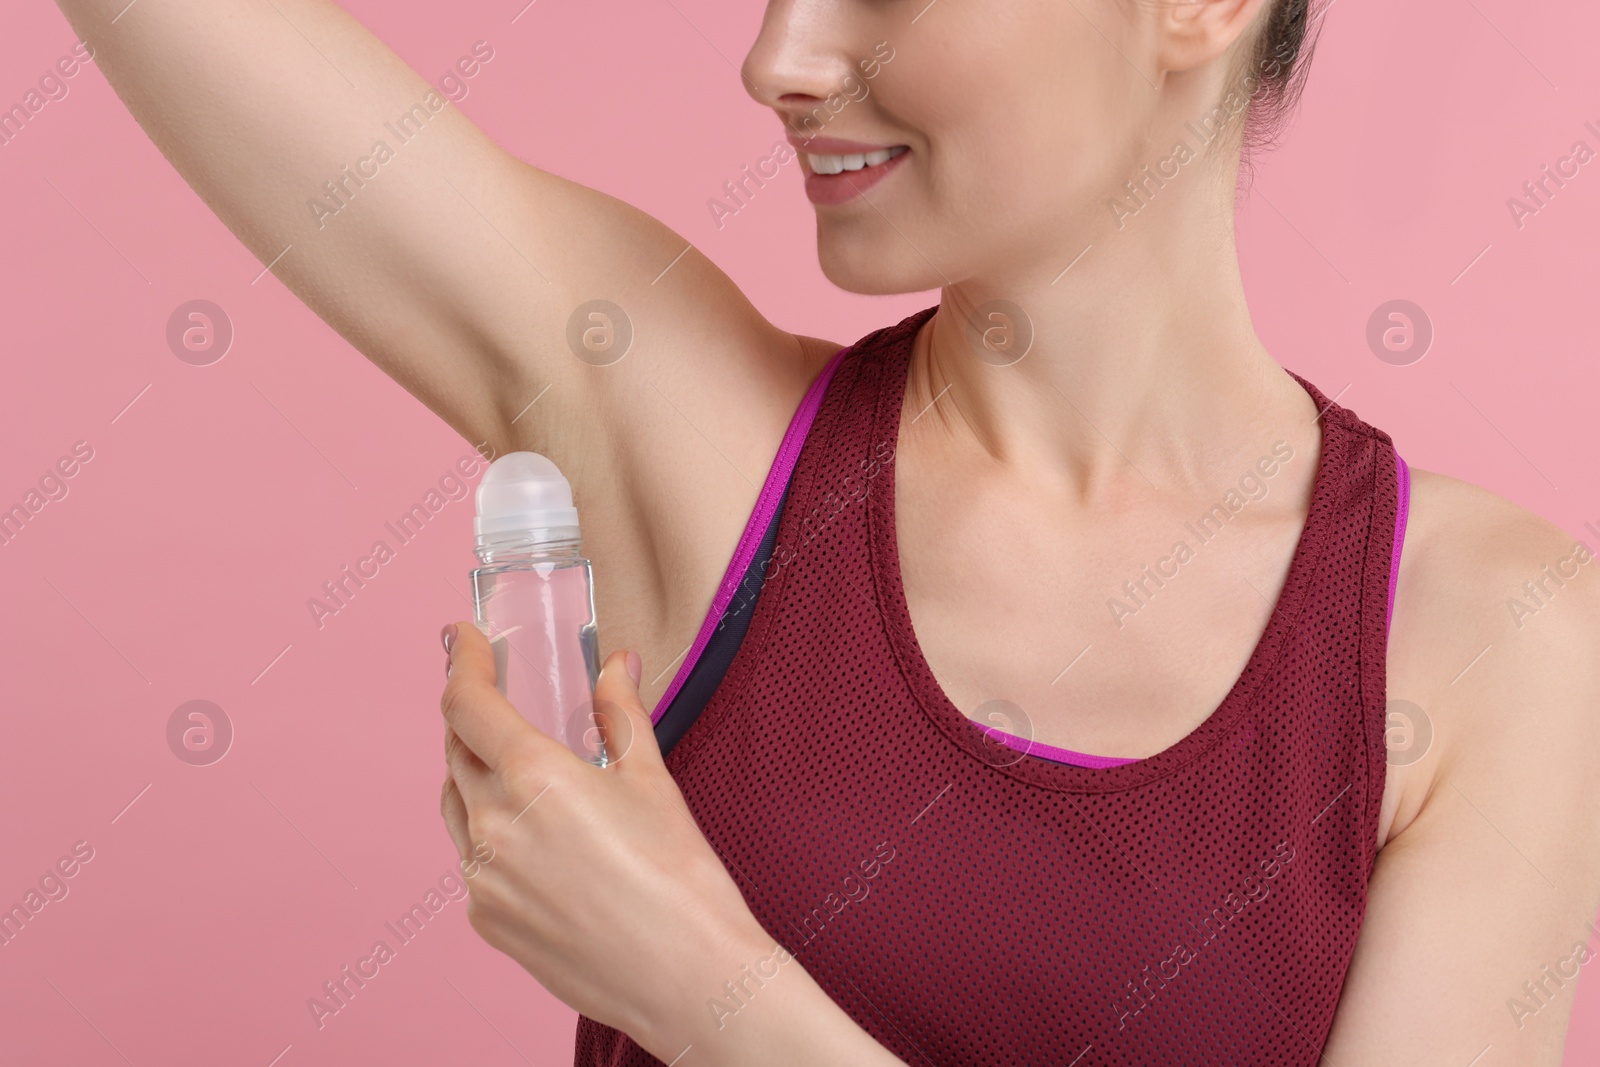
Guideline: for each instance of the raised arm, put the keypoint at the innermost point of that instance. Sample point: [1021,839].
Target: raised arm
[457,269]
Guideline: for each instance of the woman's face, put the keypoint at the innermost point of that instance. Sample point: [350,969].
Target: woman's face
[1019,120]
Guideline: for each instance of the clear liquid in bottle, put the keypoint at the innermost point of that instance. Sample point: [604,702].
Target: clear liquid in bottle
[534,599]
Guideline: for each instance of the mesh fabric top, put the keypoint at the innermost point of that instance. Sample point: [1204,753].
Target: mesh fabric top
[967,903]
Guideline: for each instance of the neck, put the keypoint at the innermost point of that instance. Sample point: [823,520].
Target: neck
[1143,364]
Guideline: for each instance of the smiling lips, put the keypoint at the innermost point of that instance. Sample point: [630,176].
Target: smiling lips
[838,170]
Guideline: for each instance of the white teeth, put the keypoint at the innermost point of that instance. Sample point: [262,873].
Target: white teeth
[836,164]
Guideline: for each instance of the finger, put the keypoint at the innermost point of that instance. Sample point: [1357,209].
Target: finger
[477,711]
[621,718]
[454,810]
[472,776]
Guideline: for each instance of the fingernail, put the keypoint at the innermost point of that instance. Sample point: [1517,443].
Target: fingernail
[635,668]
[447,635]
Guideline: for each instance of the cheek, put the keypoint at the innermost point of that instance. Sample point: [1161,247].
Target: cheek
[1028,146]
[1094,89]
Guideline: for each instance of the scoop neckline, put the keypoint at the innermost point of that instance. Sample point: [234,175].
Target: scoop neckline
[974,739]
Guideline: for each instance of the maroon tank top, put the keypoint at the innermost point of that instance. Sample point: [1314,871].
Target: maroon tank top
[967,902]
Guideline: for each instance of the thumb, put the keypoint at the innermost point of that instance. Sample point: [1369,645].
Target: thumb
[620,715]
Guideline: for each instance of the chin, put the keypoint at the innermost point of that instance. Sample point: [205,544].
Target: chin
[876,265]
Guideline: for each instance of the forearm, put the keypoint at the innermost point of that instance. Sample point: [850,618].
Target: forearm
[763,1009]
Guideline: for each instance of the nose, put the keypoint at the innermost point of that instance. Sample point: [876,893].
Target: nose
[800,57]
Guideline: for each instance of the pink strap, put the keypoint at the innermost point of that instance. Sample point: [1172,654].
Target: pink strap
[1403,477]
[755,528]
[1060,755]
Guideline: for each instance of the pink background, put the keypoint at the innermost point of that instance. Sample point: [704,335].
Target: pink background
[179,564]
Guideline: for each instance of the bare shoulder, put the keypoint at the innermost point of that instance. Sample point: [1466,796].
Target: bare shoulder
[1496,639]
[1496,647]
[1484,567]
[1463,541]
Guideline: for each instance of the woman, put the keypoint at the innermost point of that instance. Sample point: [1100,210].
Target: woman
[1121,793]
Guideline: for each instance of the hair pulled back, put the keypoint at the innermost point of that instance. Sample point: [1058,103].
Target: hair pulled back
[1272,72]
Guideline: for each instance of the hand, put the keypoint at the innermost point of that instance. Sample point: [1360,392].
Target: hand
[596,880]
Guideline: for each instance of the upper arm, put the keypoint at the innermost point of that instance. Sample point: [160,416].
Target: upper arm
[1479,910]
[451,264]
[464,273]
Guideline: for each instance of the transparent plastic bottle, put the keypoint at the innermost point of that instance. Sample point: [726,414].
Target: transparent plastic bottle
[534,599]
